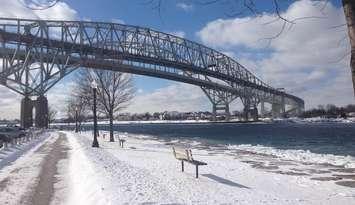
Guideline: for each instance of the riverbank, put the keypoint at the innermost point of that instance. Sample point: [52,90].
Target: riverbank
[261,120]
[145,171]
[63,168]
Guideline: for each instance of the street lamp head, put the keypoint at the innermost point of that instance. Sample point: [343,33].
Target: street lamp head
[94,84]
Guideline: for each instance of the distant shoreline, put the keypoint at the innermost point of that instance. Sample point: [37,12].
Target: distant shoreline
[262,120]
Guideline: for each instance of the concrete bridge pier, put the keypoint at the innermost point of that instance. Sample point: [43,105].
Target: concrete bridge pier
[254,113]
[278,110]
[220,102]
[41,112]
[250,109]
[26,112]
[250,112]
[41,108]
[262,109]
[220,107]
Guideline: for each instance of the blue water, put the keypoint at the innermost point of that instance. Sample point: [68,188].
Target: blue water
[322,138]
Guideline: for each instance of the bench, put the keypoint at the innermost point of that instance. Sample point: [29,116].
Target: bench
[185,155]
[121,141]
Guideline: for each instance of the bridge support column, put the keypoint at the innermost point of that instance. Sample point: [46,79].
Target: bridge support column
[250,108]
[283,106]
[262,109]
[278,110]
[246,111]
[220,107]
[26,112]
[254,113]
[42,112]
[220,102]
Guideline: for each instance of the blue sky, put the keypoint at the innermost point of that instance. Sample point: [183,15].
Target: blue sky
[304,59]
[174,16]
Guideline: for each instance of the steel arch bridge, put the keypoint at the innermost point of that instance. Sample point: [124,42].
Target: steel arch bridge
[36,54]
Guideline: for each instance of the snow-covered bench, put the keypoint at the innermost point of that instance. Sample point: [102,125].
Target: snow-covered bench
[185,155]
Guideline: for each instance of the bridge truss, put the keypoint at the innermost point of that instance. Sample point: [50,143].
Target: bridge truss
[36,54]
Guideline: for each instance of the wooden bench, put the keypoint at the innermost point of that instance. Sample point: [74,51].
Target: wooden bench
[185,155]
[121,141]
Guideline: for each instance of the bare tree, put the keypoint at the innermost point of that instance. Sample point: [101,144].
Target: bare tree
[76,109]
[115,91]
[52,114]
[349,11]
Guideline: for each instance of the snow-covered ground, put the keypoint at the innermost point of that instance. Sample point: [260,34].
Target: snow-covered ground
[309,120]
[13,152]
[145,171]
[20,168]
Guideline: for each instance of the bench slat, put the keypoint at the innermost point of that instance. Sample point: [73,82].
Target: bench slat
[186,155]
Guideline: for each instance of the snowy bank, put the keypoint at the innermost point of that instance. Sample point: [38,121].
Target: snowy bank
[145,171]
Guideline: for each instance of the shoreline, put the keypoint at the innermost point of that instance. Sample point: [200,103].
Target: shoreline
[260,121]
[145,171]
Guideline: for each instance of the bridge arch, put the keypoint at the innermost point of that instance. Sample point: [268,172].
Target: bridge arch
[36,54]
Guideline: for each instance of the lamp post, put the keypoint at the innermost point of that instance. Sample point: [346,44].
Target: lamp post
[95,143]
[76,120]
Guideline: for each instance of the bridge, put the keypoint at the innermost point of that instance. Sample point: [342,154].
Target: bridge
[36,54]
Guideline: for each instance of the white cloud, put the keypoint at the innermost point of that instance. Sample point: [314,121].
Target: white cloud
[58,97]
[180,34]
[304,58]
[119,21]
[14,9]
[175,97]
[184,6]
[9,100]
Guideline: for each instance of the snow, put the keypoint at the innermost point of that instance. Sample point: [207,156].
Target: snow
[145,171]
[104,122]
[261,120]
[12,153]
[324,120]
[308,120]
[20,166]
[299,155]
[84,181]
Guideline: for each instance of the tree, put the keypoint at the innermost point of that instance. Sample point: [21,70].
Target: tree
[114,92]
[349,11]
[76,109]
[52,114]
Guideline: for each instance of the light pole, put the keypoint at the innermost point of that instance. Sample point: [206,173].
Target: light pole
[95,143]
[76,120]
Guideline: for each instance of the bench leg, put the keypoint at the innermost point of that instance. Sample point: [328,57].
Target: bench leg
[196,171]
[182,165]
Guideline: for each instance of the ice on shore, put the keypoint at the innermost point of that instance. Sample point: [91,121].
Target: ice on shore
[145,172]
[304,156]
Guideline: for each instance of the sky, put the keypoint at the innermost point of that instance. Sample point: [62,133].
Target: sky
[309,58]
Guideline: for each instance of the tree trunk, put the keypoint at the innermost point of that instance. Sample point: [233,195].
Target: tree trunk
[112,139]
[349,11]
